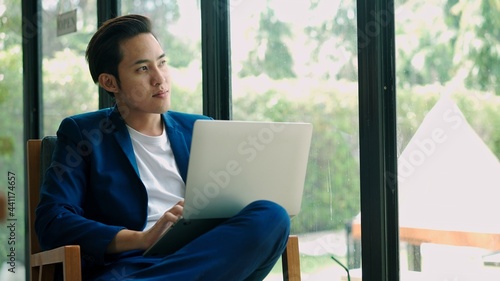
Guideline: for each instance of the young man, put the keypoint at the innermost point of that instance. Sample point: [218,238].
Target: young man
[117,178]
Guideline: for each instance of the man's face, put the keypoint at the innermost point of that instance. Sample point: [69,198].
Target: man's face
[144,76]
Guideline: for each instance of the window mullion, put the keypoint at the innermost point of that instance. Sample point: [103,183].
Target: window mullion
[378,162]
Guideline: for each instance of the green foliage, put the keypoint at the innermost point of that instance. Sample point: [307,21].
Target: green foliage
[6,145]
[186,100]
[331,41]
[11,124]
[411,107]
[459,41]
[331,190]
[271,57]
[68,88]
[164,14]
[482,112]
[479,31]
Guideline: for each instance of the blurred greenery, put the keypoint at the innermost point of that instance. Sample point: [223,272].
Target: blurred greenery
[307,72]
[11,124]
[271,55]
[331,195]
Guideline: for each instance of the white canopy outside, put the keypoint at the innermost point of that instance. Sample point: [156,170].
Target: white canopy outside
[448,184]
[448,178]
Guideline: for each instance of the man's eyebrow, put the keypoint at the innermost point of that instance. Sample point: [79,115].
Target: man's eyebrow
[141,61]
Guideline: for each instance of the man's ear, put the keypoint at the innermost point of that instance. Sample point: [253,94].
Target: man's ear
[108,82]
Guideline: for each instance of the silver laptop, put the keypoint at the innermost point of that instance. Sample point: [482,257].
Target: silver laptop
[232,164]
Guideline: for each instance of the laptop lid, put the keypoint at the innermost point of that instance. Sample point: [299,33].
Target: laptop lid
[234,163]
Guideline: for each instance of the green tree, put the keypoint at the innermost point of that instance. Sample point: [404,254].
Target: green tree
[332,41]
[164,14]
[424,54]
[271,55]
[477,26]
[453,44]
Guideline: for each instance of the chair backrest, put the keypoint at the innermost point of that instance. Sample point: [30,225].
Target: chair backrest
[39,156]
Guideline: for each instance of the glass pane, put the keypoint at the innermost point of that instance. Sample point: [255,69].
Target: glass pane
[12,197]
[296,61]
[177,26]
[448,64]
[68,88]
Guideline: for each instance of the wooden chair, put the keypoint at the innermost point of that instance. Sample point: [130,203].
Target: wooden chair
[43,264]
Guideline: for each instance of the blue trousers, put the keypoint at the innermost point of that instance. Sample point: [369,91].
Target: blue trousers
[245,247]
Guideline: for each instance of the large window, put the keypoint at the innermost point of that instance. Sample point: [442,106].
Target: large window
[177,26]
[12,233]
[448,64]
[68,88]
[296,61]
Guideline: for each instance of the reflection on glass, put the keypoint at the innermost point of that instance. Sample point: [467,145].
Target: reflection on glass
[68,88]
[449,142]
[177,26]
[296,61]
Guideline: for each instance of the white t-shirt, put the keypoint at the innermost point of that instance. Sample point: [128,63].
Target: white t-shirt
[159,173]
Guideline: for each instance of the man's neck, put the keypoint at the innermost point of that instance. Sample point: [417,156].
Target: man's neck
[147,124]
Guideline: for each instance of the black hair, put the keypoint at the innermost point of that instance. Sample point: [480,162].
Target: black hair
[103,51]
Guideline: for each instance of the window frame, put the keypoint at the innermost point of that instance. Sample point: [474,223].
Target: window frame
[378,143]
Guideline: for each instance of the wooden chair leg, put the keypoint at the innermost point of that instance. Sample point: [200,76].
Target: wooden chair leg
[43,273]
[291,260]
[50,270]
[35,273]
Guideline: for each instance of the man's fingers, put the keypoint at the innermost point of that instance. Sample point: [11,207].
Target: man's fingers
[177,210]
[168,218]
[173,214]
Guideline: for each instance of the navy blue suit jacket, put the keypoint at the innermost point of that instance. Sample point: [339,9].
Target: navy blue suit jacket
[92,189]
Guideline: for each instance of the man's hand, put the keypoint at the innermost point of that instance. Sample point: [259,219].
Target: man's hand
[169,217]
[126,240]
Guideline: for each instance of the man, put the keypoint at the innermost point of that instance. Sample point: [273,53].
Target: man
[117,178]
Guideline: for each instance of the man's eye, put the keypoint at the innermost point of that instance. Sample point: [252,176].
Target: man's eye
[163,62]
[142,68]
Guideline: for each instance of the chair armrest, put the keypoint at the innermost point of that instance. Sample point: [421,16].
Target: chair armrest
[68,256]
[291,260]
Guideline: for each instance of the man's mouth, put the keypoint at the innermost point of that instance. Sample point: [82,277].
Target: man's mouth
[160,94]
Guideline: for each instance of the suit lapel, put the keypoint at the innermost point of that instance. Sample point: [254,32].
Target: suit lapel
[122,137]
[178,144]
[176,137]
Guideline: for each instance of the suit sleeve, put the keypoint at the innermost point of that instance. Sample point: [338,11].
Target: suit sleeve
[60,219]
